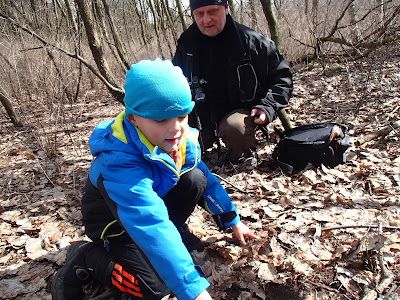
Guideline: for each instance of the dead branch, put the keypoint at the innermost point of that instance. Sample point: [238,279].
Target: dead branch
[231,184]
[335,27]
[384,284]
[360,226]
[374,135]
[322,286]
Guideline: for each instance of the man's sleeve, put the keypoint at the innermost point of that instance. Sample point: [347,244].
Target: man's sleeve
[275,77]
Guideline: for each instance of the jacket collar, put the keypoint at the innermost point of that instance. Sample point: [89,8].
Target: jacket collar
[125,132]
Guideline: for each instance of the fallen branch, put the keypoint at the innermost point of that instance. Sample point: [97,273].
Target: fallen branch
[231,184]
[385,283]
[387,276]
[322,286]
[360,226]
[383,132]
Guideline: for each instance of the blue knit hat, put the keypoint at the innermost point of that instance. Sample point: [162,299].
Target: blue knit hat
[194,4]
[157,90]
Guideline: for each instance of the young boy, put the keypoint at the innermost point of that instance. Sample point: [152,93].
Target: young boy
[145,181]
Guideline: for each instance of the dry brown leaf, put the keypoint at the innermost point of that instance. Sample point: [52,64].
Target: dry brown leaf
[267,272]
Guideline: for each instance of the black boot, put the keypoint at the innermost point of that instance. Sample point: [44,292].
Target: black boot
[68,281]
[191,241]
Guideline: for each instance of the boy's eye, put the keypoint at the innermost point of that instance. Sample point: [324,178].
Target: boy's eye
[182,118]
[160,121]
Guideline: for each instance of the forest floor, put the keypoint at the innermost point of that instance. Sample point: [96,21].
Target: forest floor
[325,233]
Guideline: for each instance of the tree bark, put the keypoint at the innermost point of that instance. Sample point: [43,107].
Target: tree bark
[10,110]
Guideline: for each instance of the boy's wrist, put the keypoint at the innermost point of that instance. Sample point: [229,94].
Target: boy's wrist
[226,220]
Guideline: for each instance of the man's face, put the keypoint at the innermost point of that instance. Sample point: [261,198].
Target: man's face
[211,19]
[166,134]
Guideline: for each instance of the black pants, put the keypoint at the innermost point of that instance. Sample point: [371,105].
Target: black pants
[125,267]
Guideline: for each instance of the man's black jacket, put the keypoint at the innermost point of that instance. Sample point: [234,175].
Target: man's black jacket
[242,69]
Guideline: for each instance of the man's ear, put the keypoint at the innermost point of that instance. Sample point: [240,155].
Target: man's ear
[131,119]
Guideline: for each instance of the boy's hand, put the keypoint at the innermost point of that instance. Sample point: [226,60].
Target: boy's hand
[241,231]
[203,296]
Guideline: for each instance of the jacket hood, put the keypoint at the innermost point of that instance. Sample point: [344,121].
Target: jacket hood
[111,135]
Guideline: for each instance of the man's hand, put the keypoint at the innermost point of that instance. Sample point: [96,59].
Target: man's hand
[260,117]
[241,231]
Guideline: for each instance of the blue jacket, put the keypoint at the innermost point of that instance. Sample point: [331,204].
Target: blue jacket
[135,175]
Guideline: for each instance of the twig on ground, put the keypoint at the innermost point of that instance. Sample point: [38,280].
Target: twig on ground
[323,286]
[360,226]
[44,173]
[231,184]
[387,276]
[374,135]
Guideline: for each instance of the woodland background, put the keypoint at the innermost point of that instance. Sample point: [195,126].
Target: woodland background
[326,233]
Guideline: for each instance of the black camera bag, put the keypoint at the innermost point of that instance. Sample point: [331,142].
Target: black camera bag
[316,143]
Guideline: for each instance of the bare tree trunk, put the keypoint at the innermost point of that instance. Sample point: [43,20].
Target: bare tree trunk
[314,11]
[142,27]
[156,27]
[163,15]
[117,40]
[273,29]
[181,14]
[71,17]
[95,45]
[76,44]
[381,12]
[253,15]
[59,73]
[355,32]
[171,26]
[10,110]
[241,11]
[34,13]
[272,23]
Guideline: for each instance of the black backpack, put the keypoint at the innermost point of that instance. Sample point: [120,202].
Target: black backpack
[316,143]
